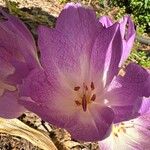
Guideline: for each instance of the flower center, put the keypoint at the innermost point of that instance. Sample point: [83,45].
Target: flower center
[85,95]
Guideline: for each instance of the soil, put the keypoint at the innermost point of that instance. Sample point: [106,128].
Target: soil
[8,142]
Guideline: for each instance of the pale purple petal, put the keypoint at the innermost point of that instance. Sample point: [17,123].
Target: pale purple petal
[106,21]
[80,25]
[6,68]
[125,93]
[123,113]
[20,39]
[9,106]
[145,107]
[39,88]
[106,54]
[55,97]
[128,35]
[11,68]
[93,125]
[135,78]
[21,71]
[129,86]
[57,52]
[17,26]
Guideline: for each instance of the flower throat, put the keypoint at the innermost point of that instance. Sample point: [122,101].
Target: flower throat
[85,94]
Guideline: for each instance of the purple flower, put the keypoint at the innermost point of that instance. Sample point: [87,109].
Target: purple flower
[78,87]
[130,135]
[18,57]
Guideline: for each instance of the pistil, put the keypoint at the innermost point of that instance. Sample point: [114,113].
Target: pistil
[84,103]
[92,86]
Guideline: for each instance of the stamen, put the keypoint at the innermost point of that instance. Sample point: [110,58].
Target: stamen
[84,103]
[123,129]
[77,103]
[92,86]
[116,134]
[77,88]
[86,88]
[93,97]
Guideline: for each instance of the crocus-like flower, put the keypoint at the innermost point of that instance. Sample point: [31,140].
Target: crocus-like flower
[77,87]
[18,57]
[130,135]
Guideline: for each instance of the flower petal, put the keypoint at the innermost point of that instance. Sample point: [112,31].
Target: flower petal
[38,87]
[6,68]
[80,25]
[20,39]
[57,52]
[97,124]
[145,107]
[9,106]
[18,75]
[106,54]
[123,113]
[124,94]
[16,25]
[124,90]
[128,33]
[137,77]
[106,21]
